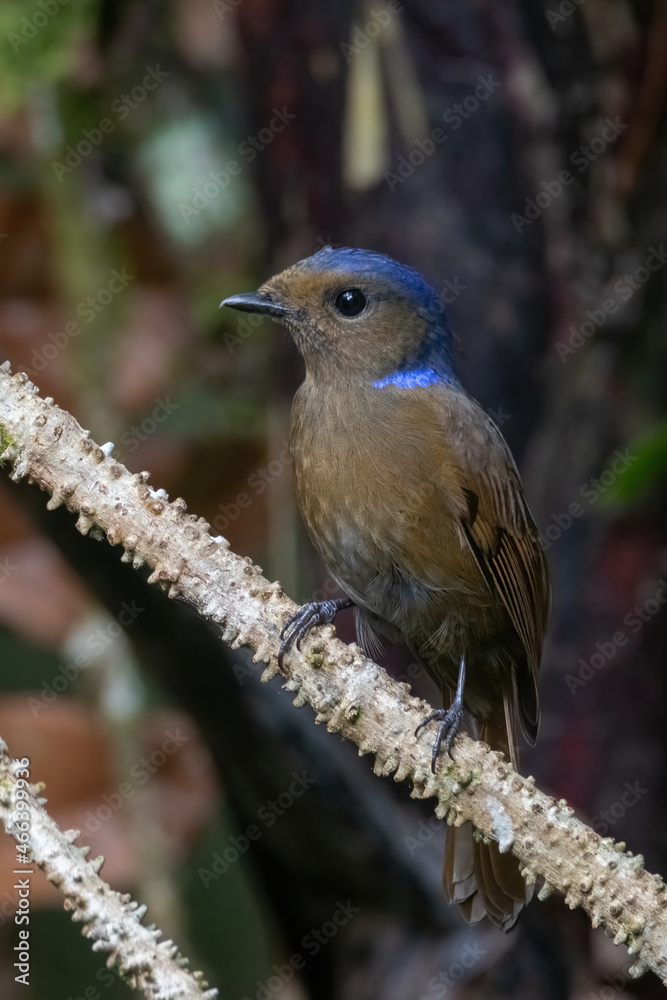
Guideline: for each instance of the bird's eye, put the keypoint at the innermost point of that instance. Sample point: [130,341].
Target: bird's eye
[351,302]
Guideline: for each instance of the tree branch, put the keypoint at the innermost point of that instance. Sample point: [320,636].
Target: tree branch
[111,920]
[351,694]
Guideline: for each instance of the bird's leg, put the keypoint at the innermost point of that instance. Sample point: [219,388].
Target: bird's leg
[449,718]
[307,617]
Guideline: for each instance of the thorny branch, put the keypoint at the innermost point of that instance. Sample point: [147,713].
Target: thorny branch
[352,695]
[111,920]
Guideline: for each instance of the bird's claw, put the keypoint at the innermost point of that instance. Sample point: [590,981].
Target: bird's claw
[301,622]
[450,720]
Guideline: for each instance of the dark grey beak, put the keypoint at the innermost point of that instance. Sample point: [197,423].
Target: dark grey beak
[256,302]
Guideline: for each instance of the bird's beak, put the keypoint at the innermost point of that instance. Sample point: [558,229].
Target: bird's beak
[257,302]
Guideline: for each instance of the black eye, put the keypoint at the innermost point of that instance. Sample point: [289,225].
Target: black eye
[351,302]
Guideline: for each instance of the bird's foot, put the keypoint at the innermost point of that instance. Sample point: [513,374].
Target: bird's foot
[450,720]
[307,617]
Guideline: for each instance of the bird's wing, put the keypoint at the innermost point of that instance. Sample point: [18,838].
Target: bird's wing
[503,538]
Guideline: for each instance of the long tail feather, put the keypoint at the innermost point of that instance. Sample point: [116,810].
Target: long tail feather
[476,876]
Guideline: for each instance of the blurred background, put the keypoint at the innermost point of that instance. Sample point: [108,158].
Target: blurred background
[156,157]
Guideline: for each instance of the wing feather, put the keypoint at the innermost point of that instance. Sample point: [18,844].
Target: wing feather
[506,544]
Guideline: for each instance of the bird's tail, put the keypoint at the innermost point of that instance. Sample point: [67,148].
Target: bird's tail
[484,882]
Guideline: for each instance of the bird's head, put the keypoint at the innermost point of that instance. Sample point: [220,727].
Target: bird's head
[360,316]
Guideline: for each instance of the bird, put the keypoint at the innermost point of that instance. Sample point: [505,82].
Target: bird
[411,496]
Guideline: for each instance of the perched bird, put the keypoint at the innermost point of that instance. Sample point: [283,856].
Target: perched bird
[411,496]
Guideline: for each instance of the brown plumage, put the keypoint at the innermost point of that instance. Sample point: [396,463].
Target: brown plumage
[412,498]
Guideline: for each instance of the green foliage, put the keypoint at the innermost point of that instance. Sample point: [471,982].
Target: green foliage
[186,165]
[37,44]
[205,412]
[6,440]
[227,915]
[66,966]
[647,472]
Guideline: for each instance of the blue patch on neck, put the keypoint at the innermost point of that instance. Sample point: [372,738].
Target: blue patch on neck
[432,364]
[418,378]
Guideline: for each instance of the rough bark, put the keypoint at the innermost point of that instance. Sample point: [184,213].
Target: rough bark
[351,694]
